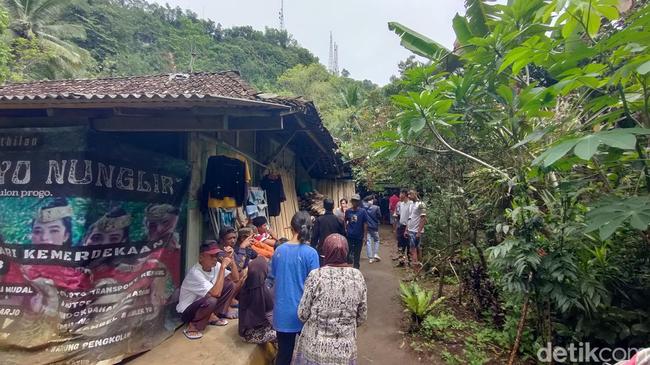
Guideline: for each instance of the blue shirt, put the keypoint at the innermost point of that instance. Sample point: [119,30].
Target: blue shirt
[355,219]
[290,266]
[374,217]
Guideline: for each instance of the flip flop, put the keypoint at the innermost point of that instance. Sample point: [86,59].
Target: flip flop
[197,336]
[231,315]
[218,322]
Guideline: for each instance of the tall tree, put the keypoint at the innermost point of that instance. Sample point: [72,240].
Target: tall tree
[41,20]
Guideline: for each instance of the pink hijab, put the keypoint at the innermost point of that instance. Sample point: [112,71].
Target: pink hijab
[335,250]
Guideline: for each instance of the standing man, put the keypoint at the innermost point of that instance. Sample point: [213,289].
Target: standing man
[374,220]
[392,207]
[356,227]
[205,292]
[401,219]
[326,225]
[415,227]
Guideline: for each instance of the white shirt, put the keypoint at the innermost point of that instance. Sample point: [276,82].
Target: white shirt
[417,210]
[197,284]
[403,211]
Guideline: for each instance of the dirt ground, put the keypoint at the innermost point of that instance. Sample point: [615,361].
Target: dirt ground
[380,339]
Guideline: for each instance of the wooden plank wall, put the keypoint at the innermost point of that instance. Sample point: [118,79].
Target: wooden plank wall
[282,223]
[336,189]
[285,166]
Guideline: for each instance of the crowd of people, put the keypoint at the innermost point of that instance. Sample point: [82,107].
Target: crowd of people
[304,293]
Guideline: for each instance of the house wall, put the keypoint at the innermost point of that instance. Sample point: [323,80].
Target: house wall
[336,189]
[200,147]
[198,151]
[285,166]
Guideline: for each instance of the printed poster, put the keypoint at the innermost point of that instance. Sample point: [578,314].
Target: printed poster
[90,246]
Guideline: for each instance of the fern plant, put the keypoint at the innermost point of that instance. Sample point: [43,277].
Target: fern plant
[418,302]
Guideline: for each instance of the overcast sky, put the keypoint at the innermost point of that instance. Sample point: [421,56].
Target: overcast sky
[367,49]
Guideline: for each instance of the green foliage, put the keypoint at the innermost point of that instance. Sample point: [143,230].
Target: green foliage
[42,21]
[5,50]
[423,46]
[346,106]
[76,38]
[476,340]
[418,302]
[611,213]
[135,37]
[537,137]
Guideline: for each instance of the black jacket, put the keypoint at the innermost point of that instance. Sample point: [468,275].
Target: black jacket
[324,226]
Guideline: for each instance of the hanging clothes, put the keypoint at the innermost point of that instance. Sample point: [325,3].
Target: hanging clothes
[274,193]
[225,182]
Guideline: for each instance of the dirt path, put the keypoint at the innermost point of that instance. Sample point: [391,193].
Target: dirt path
[380,340]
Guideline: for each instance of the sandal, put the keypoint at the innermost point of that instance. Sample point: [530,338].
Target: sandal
[231,315]
[218,322]
[197,335]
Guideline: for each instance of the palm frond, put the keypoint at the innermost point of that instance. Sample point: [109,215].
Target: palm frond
[63,49]
[48,8]
[64,30]
[15,6]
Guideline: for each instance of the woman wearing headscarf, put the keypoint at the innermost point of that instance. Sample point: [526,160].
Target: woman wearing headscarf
[256,305]
[333,305]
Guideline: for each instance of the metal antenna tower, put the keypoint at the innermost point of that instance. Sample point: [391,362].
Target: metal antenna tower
[330,61]
[335,65]
[282,15]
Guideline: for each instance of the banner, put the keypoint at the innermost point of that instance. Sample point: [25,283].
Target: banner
[90,248]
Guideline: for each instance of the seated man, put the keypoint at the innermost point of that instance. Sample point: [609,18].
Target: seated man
[244,251]
[205,293]
[227,238]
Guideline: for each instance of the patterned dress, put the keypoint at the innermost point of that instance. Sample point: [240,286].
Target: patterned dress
[334,303]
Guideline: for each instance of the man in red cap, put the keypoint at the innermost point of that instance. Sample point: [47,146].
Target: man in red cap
[205,293]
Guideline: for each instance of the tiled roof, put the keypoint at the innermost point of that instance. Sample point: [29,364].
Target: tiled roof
[195,87]
[203,85]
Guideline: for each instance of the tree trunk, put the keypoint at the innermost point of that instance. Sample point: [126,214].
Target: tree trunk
[520,331]
[442,281]
[520,326]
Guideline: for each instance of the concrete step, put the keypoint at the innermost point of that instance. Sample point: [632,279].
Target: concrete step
[219,345]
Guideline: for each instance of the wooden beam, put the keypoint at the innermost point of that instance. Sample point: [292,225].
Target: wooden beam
[11,122]
[279,151]
[241,112]
[275,122]
[160,124]
[310,133]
